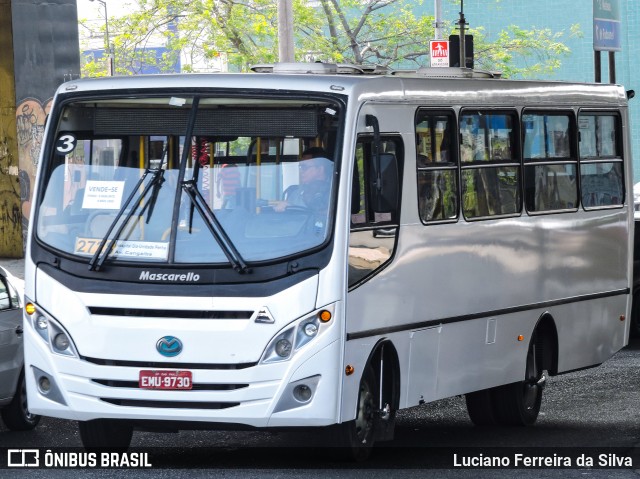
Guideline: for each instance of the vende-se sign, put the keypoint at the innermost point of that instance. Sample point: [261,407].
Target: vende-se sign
[439,53]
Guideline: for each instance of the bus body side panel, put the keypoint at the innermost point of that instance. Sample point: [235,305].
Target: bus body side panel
[456,296]
[443,279]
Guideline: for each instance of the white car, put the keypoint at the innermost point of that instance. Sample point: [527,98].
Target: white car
[636,200]
[13,393]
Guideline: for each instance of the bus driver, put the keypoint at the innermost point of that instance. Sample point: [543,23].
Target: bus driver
[314,188]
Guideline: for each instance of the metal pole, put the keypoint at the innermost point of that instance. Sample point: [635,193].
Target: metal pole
[612,67]
[437,21]
[286,52]
[108,48]
[597,66]
[463,51]
[106,32]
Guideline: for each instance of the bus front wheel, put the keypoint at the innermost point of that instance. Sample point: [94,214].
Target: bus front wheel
[105,434]
[358,435]
[635,316]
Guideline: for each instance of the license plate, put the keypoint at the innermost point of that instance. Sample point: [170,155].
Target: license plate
[165,379]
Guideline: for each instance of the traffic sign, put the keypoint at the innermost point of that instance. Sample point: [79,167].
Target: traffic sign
[607,28]
[439,53]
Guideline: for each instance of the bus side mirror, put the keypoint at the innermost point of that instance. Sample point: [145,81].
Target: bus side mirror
[384,187]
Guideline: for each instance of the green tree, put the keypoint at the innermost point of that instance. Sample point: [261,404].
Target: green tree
[390,33]
[522,53]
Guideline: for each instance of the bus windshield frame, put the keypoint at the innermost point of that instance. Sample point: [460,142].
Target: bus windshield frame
[119,185]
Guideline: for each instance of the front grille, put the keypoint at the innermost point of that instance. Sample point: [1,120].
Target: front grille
[171,404]
[196,387]
[157,365]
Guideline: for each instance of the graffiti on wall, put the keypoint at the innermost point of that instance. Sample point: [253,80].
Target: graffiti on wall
[10,216]
[30,119]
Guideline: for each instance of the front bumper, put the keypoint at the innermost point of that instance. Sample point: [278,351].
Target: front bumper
[247,396]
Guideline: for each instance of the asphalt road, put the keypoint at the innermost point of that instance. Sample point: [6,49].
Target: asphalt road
[588,413]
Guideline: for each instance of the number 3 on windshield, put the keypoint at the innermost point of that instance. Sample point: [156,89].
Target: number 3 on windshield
[65,144]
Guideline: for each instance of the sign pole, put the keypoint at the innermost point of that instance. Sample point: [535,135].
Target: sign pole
[437,20]
[286,47]
[607,35]
[612,67]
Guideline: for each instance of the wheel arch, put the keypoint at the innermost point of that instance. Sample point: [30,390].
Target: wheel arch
[385,363]
[546,330]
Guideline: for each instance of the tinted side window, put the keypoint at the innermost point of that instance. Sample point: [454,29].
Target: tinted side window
[489,154]
[551,164]
[437,164]
[365,208]
[601,169]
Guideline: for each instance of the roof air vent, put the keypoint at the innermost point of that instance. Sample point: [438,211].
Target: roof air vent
[319,68]
[453,72]
[313,68]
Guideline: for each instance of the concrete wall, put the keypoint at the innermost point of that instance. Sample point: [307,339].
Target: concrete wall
[10,213]
[39,51]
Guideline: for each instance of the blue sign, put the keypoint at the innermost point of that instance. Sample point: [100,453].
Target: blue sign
[607,28]
[607,35]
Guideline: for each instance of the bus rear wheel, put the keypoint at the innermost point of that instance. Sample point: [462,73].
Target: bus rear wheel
[515,404]
[518,404]
[480,407]
[105,434]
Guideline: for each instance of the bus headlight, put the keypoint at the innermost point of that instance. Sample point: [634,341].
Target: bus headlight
[50,330]
[41,323]
[283,347]
[303,331]
[310,329]
[61,342]
[307,330]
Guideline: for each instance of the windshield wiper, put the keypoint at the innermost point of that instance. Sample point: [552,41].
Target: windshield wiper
[101,253]
[157,181]
[214,226]
[198,202]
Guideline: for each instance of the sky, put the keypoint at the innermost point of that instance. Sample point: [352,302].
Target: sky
[93,13]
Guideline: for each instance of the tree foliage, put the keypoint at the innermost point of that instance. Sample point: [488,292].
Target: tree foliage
[391,33]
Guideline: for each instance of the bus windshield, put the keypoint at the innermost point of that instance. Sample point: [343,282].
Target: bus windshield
[189,179]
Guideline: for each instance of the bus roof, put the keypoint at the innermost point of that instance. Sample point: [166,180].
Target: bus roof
[378,87]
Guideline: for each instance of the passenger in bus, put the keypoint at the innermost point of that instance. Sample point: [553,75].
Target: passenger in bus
[228,182]
[315,184]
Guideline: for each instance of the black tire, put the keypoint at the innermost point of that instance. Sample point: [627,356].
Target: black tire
[480,408]
[358,435]
[634,328]
[16,415]
[518,404]
[102,434]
